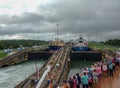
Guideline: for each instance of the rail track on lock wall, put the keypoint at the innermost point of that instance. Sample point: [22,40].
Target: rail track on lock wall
[59,73]
[28,81]
[109,53]
[59,57]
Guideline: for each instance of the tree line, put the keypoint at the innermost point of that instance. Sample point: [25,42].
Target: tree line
[113,42]
[7,44]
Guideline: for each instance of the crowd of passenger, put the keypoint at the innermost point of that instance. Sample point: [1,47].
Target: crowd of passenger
[90,76]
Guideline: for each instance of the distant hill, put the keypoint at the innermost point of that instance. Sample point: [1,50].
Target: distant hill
[113,42]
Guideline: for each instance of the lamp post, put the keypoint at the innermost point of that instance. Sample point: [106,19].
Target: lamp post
[57,36]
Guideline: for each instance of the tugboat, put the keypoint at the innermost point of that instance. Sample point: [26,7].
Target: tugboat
[55,45]
[81,51]
[80,45]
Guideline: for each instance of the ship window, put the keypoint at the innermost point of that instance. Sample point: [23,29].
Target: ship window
[80,41]
[80,37]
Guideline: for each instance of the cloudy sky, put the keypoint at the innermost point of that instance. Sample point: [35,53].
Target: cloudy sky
[38,19]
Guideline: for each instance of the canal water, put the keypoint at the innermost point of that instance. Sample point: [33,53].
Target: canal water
[13,75]
[78,66]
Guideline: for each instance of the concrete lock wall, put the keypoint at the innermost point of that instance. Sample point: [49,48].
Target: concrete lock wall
[44,56]
[75,56]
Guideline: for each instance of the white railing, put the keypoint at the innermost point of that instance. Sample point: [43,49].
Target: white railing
[43,76]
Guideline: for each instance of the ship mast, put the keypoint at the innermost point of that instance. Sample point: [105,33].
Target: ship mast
[57,32]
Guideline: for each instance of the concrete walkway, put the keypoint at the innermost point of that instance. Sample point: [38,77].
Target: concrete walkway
[110,82]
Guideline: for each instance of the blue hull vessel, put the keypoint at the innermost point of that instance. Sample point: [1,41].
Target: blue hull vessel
[80,44]
[80,49]
[54,47]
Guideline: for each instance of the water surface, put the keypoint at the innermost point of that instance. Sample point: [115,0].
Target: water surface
[12,75]
[78,66]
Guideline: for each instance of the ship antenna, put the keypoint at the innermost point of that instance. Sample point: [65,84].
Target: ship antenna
[57,32]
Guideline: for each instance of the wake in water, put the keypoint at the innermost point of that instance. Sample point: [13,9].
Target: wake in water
[13,75]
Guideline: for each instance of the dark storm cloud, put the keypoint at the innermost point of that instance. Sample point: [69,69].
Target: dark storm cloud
[21,19]
[24,23]
[92,17]
[13,29]
[88,16]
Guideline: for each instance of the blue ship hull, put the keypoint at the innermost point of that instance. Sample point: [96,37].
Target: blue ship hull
[54,47]
[80,49]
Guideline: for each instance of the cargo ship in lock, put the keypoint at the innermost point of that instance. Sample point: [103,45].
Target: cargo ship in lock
[80,44]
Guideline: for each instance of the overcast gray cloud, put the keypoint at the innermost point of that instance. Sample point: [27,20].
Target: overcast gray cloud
[95,18]
[24,18]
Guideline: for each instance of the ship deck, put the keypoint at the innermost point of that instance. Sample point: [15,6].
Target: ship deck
[110,82]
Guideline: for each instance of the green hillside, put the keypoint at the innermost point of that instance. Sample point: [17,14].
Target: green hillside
[2,54]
